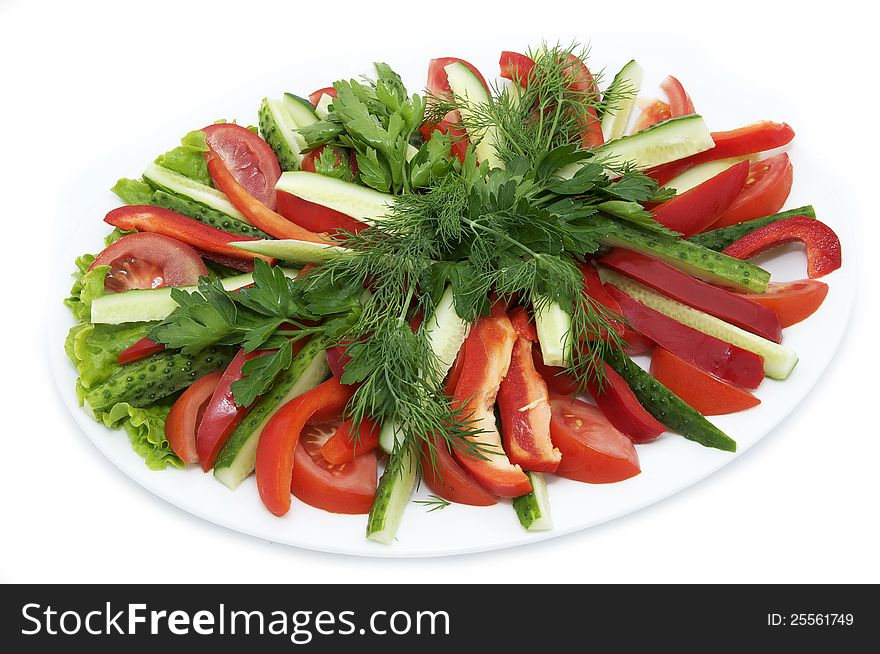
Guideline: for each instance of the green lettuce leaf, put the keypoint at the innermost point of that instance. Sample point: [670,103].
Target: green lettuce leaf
[187,158]
[93,348]
[89,285]
[133,191]
[146,430]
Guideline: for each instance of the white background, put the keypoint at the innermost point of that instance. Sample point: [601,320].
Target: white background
[78,78]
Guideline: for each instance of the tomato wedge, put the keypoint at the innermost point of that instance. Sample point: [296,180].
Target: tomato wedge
[765,191]
[622,408]
[183,420]
[523,402]
[276,449]
[558,381]
[315,97]
[792,302]
[447,479]
[146,347]
[705,393]
[212,243]
[651,114]
[698,208]
[145,260]
[248,157]
[593,451]
[823,246]
[487,354]
[516,67]
[342,446]
[348,488]
[680,103]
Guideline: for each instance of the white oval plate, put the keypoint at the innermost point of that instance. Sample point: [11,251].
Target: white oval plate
[669,464]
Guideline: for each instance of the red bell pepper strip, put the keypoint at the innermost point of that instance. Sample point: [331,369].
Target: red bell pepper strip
[524,403]
[315,217]
[751,139]
[595,290]
[558,381]
[209,241]
[280,436]
[696,209]
[635,343]
[671,281]
[680,103]
[623,410]
[724,360]
[222,415]
[183,420]
[487,359]
[343,446]
[256,212]
[144,348]
[823,246]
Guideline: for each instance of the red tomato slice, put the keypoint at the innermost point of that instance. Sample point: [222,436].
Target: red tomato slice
[595,290]
[516,67]
[438,83]
[447,479]
[342,447]
[792,301]
[705,393]
[248,157]
[680,103]
[584,82]
[146,347]
[654,113]
[315,97]
[347,488]
[635,343]
[622,408]
[766,190]
[186,414]
[593,451]
[147,260]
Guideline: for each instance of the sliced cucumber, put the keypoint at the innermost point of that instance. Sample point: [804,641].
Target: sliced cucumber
[172,182]
[279,129]
[553,325]
[702,173]
[149,304]
[205,214]
[236,459]
[470,92]
[300,109]
[626,85]
[778,361]
[392,495]
[719,239]
[446,333]
[693,259]
[533,510]
[302,252]
[359,202]
[322,109]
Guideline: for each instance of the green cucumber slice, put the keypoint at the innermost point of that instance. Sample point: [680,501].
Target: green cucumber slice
[778,360]
[395,489]
[205,214]
[469,92]
[289,249]
[300,109]
[279,130]
[322,109]
[533,510]
[626,83]
[719,239]
[553,325]
[236,458]
[146,305]
[359,202]
[167,180]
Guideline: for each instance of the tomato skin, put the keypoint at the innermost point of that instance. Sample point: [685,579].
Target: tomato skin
[728,306]
[248,157]
[822,244]
[438,82]
[680,103]
[487,359]
[656,112]
[449,480]
[596,291]
[146,347]
[315,97]
[516,67]
[722,359]
[558,381]
[757,137]
[698,208]
[212,243]
[622,409]
[315,217]
[523,402]
[145,260]
[593,451]
[221,414]
[183,420]
[765,192]
[792,302]
[279,438]
[346,489]
[341,447]
[635,343]
[705,393]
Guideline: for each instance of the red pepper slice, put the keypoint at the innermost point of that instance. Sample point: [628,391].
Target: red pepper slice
[623,410]
[696,209]
[524,403]
[343,446]
[210,242]
[315,217]
[680,103]
[144,348]
[823,246]
[757,137]
[182,422]
[487,359]
[222,415]
[280,436]
[595,290]
[724,360]
[671,281]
